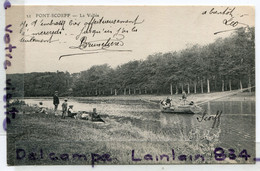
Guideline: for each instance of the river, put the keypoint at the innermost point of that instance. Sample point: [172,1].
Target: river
[148,116]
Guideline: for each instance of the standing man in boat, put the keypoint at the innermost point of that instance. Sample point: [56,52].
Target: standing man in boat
[184,96]
[56,101]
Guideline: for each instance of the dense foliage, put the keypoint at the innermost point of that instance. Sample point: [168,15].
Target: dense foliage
[226,64]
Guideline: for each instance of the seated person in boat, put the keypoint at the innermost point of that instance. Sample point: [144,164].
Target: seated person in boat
[166,103]
[71,113]
[168,100]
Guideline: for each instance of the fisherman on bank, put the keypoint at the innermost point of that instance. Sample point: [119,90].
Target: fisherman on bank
[56,102]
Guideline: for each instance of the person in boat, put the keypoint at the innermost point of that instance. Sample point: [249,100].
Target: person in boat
[168,100]
[184,97]
[71,113]
[166,103]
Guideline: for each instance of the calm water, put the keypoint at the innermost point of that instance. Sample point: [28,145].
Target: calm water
[237,122]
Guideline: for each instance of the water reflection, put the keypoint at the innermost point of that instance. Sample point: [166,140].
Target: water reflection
[230,107]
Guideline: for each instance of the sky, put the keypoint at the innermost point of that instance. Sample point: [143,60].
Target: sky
[158,29]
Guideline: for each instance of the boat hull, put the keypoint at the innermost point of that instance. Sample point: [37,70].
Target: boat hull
[182,109]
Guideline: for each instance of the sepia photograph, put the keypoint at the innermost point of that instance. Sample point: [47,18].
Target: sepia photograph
[130,85]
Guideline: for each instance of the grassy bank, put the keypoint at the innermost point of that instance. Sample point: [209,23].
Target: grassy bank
[32,132]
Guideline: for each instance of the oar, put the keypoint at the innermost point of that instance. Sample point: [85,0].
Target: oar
[148,101]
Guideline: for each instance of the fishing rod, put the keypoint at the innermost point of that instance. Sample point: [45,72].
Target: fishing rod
[149,101]
[229,94]
[233,93]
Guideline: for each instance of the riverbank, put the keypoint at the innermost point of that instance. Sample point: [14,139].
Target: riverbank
[197,98]
[129,125]
[40,135]
[35,132]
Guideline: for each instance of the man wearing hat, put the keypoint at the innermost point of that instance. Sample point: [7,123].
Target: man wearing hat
[56,101]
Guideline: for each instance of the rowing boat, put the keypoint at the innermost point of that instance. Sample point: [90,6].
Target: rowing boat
[183,109]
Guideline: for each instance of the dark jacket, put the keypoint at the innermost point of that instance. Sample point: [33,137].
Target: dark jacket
[56,100]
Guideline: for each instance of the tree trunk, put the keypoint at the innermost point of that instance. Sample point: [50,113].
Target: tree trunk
[124,91]
[195,87]
[249,84]
[103,92]
[208,110]
[129,91]
[201,83]
[96,92]
[171,88]
[230,86]
[134,91]
[181,87]
[241,85]
[145,90]
[215,84]
[115,92]
[111,91]
[208,85]
[176,89]
[140,91]
[223,85]
[188,88]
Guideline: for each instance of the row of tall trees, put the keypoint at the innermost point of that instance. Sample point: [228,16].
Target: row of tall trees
[40,84]
[224,65]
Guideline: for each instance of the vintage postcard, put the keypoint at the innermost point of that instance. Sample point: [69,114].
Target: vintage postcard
[130,85]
